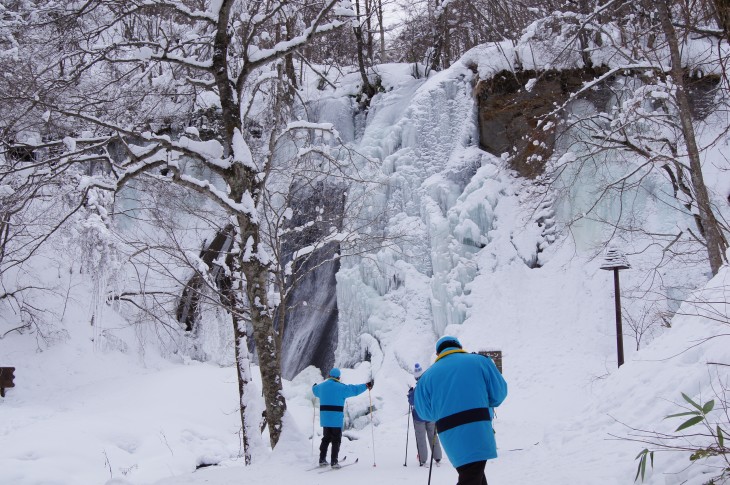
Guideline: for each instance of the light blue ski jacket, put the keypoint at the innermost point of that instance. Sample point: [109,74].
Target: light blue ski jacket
[332,394]
[457,392]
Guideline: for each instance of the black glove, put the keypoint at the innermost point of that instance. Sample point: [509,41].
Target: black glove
[370,384]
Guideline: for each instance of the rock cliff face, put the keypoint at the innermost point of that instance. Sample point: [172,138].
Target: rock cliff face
[310,333]
[511,104]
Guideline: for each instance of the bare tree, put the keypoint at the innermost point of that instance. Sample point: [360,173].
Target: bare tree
[707,222]
[134,67]
[437,32]
[651,120]
[363,40]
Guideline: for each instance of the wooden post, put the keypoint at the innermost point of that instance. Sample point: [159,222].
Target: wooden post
[616,261]
[619,328]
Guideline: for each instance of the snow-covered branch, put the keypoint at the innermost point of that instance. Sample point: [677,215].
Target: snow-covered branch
[597,81]
[182,9]
[146,51]
[259,57]
[335,236]
[308,125]
[246,206]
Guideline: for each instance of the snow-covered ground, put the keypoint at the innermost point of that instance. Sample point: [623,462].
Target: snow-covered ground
[80,418]
[86,416]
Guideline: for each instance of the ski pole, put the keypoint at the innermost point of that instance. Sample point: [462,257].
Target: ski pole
[430,466]
[314,413]
[408,431]
[372,426]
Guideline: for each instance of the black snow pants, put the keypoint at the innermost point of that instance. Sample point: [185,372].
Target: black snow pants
[330,435]
[472,473]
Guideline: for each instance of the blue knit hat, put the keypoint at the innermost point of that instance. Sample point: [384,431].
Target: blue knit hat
[417,370]
[335,372]
[447,342]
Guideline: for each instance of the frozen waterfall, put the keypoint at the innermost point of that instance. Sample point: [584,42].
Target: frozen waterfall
[438,207]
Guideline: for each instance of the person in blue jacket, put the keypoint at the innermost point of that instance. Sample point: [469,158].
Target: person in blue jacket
[332,394]
[458,392]
[425,430]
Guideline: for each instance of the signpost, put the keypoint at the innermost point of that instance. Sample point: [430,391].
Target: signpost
[616,261]
[496,356]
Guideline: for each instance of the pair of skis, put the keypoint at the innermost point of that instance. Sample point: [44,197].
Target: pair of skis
[330,469]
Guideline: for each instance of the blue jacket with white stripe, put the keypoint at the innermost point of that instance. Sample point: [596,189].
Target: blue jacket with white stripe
[457,392]
[332,394]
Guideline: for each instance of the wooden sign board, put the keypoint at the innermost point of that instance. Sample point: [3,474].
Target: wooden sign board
[6,379]
[496,356]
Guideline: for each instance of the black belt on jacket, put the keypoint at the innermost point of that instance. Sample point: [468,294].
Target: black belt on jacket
[463,417]
[327,407]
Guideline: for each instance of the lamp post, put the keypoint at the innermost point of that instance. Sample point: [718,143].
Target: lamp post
[616,260]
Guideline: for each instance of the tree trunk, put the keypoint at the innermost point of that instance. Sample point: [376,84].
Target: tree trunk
[367,88]
[446,48]
[229,103]
[265,338]
[242,357]
[231,121]
[289,69]
[714,239]
[381,29]
[281,321]
[369,29]
[584,37]
[439,35]
[243,380]
[244,180]
[722,8]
